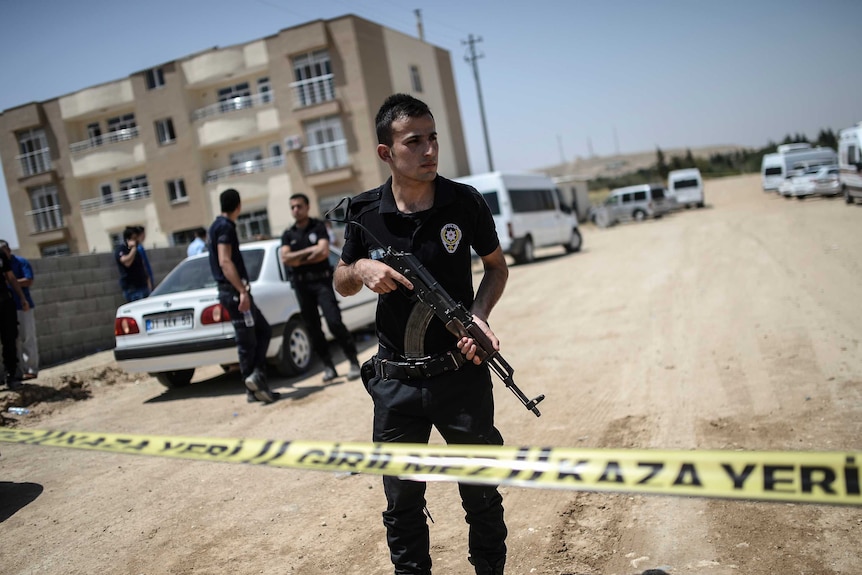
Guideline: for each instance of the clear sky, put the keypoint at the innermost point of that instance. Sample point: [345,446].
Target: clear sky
[559,78]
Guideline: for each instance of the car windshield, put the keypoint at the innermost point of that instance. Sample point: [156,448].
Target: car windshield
[194,274]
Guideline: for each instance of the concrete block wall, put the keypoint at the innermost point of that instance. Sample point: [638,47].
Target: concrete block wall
[77,298]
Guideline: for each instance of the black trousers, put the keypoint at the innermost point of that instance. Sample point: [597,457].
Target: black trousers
[9,332]
[460,405]
[320,294]
[251,342]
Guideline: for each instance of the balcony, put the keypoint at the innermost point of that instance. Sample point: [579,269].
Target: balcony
[116,151]
[313,91]
[33,163]
[109,138]
[216,65]
[45,219]
[98,99]
[323,157]
[115,199]
[250,167]
[236,119]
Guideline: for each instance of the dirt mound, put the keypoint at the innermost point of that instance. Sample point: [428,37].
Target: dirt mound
[43,397]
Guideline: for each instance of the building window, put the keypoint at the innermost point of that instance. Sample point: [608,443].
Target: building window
[183,237]
[253,226]
[122,128]
[134,188]
[35,155]
[314,81]
[235,97]
[116,238]
[325,147]
[155,78]
[165,131]
[107,193]
[265,90]
[46,212]
[415,79]
[55,250]
[177,191]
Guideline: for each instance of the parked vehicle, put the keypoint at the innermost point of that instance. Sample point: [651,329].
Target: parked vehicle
[528,212]
[802,184]
[827,181]
[850,162]
[181,326]
[776,167]
[686,186]
[634,202]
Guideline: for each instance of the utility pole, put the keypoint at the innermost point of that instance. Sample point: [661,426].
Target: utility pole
[471,59]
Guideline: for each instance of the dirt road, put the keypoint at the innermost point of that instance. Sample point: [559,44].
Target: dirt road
[736,326]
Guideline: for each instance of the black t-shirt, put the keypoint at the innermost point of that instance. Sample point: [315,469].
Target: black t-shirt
[134,276]
[223,231]
[440,238]
[301,238]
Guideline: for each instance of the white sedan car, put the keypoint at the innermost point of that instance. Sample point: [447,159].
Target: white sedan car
[182,326]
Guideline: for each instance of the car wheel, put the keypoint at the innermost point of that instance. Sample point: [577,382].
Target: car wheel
[527,253]
[700,204]
[174,379]
[575,241]
[294,357]
[639,215]
[847,197]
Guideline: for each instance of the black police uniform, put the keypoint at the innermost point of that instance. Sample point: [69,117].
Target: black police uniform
[251,342]
[458,403]
[313,286]
[133,279]
[8,322]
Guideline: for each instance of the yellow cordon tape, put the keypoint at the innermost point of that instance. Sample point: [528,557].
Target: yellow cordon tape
[794,476]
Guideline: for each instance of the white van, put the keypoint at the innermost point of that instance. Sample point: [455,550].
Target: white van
[775,168]
[686,186]
[850,162]
[528,212]
[637,202]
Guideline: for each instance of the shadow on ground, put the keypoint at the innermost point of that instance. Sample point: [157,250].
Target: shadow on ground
[16,496]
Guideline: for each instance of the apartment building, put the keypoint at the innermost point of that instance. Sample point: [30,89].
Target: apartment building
[292,112]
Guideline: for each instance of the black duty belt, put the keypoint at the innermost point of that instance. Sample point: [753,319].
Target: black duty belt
[419,368]
[304,277]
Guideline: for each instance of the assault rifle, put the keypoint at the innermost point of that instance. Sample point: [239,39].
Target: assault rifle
[456,317]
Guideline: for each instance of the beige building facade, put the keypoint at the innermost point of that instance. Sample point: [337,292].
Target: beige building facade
[292,112]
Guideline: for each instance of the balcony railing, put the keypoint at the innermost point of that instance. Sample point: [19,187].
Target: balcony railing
[115,198]
[313,91]
[109,138]
[46,219]
[37,162]
[322,157]
[232,105]
[249,167]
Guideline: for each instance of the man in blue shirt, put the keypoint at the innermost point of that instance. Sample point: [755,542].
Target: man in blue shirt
[133,275]
[199,244]
[28,346]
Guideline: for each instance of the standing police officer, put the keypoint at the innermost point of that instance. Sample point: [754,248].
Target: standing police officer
[9,320]
[439,221]
[234,294]
[305,250]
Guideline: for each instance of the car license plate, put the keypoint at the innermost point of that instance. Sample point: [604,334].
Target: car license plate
[171,321]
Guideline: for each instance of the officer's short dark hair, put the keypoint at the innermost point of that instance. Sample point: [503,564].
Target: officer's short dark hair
[395,107]
[302,197]
[229,200]
[129,232]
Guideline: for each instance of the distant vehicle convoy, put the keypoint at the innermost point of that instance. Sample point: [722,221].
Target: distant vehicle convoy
[528,211]
[850,162]
[777,167]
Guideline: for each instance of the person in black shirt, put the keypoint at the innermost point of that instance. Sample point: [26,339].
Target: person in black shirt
[305,250]
[9,320]
[234,294]
[133,274]
[439,221]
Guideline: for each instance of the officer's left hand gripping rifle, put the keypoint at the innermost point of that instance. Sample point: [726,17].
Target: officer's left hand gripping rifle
[457,318]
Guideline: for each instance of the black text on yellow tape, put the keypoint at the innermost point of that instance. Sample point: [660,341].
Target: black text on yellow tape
[797,476]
